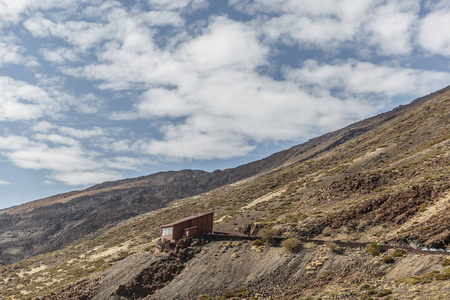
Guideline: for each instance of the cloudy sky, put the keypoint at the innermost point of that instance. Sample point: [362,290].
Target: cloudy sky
[93,90]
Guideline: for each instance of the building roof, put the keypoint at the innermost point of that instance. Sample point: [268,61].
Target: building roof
[186,219]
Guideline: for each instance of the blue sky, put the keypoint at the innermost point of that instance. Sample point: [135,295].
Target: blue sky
[92,91]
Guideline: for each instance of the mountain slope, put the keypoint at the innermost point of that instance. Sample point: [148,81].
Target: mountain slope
[386,178]
[48,224]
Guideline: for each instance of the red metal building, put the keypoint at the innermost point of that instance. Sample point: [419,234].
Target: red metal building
[190,226]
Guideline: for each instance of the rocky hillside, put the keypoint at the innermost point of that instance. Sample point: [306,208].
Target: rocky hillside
[49,224]
[384,179]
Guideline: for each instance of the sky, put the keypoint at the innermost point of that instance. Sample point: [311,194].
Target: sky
[93,91]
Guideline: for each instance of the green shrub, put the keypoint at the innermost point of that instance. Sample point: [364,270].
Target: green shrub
[446,262]
[333,247]
[310,245]
[374,249]
[384,293]
[120,256]
[365,287]
[324,274]
[291,245]
[204,297]
[243,291]
[445,275]
[399,252]
[229,294]
[372,291]
[423,206]
[268,236]
[258,242]
[388,259]
[426,278]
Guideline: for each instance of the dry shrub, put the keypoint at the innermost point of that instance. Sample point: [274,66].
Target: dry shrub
[446,262]
[268,236]
[374,249]
[291,245]
[388,259]
[310,245]
[333,247]
[399,252]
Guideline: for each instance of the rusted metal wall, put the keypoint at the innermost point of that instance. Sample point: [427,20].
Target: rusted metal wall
[204,224]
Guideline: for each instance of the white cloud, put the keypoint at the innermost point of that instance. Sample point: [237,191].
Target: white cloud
[436,5]
[211,100]
[162,102]
[82,134]
[228,112]
[127,163]
[134,61]
[2,182]
[224,44]
[312,23]
[11,52]
[60,55]
[182,142]
[179,4]
[13,11]
[65,161]
[432,35]
[163,18]
[203,84]
[359,78]
[387,27]
[10,11]
[214,87]
[43,126]
[85,178]
[82,34]
[22,101]
[391,26]
[39,156]
[56,139]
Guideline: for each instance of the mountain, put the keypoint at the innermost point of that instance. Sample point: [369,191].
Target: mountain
[49,224]
[385,179]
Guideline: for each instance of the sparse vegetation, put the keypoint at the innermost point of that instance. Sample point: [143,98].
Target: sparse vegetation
[242,292]
[310,245]
[291,245]
[324,274]
[426,278]
[388,259]
[258,242]
[399,252]
[374,249]
[268,236]
[229,294]
[331,246]
[384,293]
[365,287]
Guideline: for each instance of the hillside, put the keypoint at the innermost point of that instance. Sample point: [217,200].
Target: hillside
[384,179]
[51,223]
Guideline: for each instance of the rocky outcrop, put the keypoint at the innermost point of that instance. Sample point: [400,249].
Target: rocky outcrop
[161,272]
